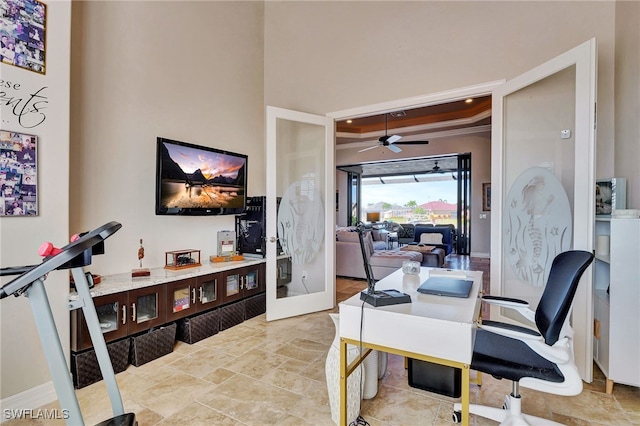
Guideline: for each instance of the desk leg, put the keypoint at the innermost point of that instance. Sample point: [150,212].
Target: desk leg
[343,382]
[465,394]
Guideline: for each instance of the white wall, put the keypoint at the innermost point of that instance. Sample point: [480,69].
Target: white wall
[186,71]
[322,57]
[22,362]
[627,98]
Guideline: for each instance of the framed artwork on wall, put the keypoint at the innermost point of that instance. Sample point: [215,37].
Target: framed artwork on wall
[22,30]
[486,197]
[18,174]
[611,194]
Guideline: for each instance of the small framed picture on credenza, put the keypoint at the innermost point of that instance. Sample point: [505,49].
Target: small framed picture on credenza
[611,194]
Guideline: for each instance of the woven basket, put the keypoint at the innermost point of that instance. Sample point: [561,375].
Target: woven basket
[255,305]
[86,370]
[196,328]
[152,345]
[231,315]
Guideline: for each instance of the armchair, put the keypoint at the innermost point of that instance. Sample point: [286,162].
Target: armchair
[539,359]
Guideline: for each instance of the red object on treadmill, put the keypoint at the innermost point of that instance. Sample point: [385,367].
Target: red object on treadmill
[47,249]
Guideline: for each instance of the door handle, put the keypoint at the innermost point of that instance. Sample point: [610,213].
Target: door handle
[133,312]
[193,295]
[124,314]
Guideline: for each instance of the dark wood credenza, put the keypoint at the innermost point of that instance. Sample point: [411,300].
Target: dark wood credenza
[130,310]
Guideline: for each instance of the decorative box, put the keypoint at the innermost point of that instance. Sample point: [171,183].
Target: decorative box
[255,305]
[232,314]
[198,327]
[181,259]
[152,344]
[86,370]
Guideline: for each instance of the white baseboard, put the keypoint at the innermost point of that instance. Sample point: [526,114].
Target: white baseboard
[482,255]
[29,399]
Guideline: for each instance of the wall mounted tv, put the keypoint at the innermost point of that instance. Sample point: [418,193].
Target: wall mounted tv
[198,180]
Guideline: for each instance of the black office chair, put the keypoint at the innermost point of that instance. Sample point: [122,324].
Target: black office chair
[539,359]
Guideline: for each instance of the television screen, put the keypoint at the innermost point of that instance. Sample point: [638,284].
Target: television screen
[199,180]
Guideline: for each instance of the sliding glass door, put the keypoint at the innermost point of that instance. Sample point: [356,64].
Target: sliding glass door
[427,191]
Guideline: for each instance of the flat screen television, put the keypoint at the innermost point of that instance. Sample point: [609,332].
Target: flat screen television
[198,180]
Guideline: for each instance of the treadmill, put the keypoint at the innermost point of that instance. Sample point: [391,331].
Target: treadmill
[30,283]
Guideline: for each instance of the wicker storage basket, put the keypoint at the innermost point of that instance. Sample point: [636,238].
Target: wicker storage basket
[198,327]
[85,368]
[255,305]
[232,314]
[153,344]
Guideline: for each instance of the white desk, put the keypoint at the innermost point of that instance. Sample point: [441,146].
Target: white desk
[431,328]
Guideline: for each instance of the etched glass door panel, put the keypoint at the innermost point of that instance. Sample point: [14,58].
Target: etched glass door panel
[543,150]
[299,156]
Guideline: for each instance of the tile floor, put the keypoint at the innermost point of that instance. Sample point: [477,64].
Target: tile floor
[260,373]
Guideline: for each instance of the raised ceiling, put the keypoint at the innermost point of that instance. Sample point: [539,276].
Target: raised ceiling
[448,117]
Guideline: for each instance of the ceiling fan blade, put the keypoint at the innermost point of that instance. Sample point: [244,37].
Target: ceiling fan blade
[393,138]
[412,143]
[367,149]
[394,148]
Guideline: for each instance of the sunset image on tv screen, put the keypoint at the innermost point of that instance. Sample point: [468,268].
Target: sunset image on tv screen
[194,178]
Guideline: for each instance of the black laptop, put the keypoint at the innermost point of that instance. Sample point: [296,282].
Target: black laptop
[446,286]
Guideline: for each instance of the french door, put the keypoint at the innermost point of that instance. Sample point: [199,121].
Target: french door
[543,155]
[300,213]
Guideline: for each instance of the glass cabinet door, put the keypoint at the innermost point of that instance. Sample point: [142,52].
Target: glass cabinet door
[108,315]
[232,286]
[251,280]
[254,279]
[112,316]
[208,293]
[146,307]
[182,298]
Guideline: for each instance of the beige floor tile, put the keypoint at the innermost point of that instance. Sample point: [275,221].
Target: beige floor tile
[272,373]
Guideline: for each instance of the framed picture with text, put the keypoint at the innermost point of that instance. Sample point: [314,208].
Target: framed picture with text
[22,34]
[18,174]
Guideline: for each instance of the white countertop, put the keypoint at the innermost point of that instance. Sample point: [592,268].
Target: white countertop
[117,283]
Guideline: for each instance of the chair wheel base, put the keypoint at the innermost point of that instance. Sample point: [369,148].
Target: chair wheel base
[457,417]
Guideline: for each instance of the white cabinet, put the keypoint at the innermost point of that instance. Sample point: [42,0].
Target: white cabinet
[616,347]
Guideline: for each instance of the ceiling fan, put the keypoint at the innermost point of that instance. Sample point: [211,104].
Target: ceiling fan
[391,141]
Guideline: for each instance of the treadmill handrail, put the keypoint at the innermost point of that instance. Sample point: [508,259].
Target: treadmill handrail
[50,263]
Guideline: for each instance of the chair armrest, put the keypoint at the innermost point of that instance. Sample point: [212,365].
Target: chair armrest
[518,305]
[505,301]
[510,330]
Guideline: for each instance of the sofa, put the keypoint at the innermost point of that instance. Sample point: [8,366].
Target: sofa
[349,262]
[440,236]
[405,233]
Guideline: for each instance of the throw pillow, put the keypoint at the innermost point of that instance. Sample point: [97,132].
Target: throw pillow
[431,238]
